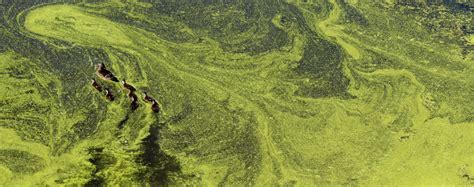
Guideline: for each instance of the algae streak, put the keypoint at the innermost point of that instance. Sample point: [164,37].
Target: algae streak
[257,94]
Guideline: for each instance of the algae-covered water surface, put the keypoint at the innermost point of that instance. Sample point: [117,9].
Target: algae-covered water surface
[236,93]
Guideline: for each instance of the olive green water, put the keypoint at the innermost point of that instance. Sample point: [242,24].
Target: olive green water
[258,93]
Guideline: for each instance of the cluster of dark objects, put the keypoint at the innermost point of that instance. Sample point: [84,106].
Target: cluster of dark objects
[105,74]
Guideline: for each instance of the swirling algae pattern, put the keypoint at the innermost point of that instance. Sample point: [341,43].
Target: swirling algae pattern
[259,93]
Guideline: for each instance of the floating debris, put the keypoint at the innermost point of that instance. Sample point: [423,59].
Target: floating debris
[96,85]
[105,74]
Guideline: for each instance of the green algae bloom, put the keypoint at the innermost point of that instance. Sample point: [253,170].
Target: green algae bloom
[250,93]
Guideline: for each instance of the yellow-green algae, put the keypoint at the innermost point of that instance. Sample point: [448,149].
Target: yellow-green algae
[236,117]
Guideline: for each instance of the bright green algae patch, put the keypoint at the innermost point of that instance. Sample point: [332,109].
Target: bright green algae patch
[304,102]
[63,21]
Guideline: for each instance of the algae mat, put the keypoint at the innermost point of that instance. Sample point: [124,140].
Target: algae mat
[252,93]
